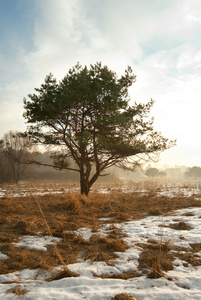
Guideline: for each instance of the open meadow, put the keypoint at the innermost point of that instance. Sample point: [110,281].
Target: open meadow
[141,239]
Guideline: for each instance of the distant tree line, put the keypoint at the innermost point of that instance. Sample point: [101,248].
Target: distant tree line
[17,156]
[189,173]
[194,172]
[154,172]
[21,160]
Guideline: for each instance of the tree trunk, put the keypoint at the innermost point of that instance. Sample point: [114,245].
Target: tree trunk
[84,185]
[85,182]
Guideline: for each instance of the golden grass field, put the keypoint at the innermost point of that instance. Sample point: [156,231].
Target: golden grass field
[49,209]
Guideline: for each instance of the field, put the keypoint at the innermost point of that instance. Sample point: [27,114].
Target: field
[140,239]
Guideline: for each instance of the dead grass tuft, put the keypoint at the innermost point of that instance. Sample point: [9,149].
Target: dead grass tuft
[79,240]
[124,216]
[123,297]
[109,244]
[22,258]
[155,212]
[96,255]
[181,226]
[21,227]
[118,245]
[124,275]
[115,232]
[156,258]
[196,247]
[62,273]
[18,290]
[189,258]
[188,214]
[72,205]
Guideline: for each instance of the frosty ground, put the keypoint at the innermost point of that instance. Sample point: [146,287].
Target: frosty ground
[182,282]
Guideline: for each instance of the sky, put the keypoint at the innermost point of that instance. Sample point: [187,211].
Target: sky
[159,39]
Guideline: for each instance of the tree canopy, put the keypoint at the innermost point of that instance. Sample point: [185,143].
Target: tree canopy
[87,116]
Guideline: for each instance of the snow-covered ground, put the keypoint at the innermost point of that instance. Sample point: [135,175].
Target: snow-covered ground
[185,283]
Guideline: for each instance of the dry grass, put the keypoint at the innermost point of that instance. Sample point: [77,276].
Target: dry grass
[114,232]
[114,244]
[18,290]
[62,273]
[181,226]
[123,297]
[196,247]
[124,275]
[155,258]
[67,212]
[189,258]
[96,255]
[188,214]
[103,248]
[22,258]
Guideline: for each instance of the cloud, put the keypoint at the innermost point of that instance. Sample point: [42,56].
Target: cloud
[160,40]
[63,36]
[151,37]
[189,60]
[12,108]
[115,32]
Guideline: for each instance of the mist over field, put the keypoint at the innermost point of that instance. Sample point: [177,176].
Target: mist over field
[113,175]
